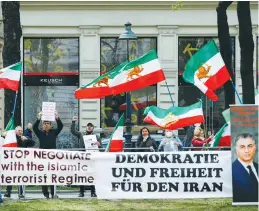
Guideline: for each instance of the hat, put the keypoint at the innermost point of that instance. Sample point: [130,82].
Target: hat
[90,124]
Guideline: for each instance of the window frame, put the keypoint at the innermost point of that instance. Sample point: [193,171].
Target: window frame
[113,37]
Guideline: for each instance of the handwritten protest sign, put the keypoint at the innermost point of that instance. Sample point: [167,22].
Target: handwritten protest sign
[90,143]
[48,111]
[45,167]
[163,175]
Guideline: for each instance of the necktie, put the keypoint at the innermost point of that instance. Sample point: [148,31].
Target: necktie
[253,177]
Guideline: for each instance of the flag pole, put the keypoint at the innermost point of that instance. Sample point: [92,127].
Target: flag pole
[15,100]
[169,92]
[234,87]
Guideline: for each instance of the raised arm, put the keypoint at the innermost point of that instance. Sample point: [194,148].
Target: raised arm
[60,126]
[73,129]
[36,128]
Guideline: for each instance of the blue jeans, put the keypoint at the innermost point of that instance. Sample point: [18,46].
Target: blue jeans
[0,195]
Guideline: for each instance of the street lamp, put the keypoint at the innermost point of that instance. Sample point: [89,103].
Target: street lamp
[128,35]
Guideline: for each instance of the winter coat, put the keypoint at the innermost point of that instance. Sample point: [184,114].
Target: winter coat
[47,139]
[81,134]
[150,142]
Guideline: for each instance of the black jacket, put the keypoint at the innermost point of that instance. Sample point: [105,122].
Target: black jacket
[150,142]
[28,133]
[26,143]
[47,140]
[80,136]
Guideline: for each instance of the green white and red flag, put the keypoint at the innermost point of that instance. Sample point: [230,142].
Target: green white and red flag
[222,138]
[174,117]
[116,141]
[137,74]
[10,77]
[10,137]
[207,70]
[99,87]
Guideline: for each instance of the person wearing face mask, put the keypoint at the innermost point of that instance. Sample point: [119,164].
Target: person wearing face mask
[47,138]
[171,142]
[22,142]
[145,141]
[89,131]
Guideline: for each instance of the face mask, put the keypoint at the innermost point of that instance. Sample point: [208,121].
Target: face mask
[168,134]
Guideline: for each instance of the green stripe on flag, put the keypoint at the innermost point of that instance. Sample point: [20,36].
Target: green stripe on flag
[10,125]
[119,123]
[17,66]
[218,135]
[198,59]
[114,71]
[161,113]
[226,115]
[149,56]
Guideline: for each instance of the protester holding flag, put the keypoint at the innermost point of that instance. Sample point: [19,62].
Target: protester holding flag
[145,141]
[22,142]
[171,142]
[89,131]
[47,138]
[198,139]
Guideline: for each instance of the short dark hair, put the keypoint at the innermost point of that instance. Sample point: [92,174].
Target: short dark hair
[46,121]
[90,124]
[244,135]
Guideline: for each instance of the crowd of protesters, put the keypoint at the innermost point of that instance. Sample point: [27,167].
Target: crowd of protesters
[145,143]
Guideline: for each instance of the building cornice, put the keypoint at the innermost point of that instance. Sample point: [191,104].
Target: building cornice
[123,5]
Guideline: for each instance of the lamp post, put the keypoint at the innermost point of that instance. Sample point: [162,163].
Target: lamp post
[128,35]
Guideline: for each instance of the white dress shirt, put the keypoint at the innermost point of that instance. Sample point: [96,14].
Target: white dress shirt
[252,167]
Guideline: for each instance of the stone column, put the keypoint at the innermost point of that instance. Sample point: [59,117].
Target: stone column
[89,70]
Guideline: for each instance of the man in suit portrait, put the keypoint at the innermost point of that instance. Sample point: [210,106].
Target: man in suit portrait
[244,170]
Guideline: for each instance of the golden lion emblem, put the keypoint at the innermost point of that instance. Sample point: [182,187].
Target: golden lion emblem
[104,80]
[169,120]
[203,72]
[134,72]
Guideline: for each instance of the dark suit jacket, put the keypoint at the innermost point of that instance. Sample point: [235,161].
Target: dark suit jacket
[243,189]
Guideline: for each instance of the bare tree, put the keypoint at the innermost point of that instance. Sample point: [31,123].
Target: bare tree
[247,51]
[226,49]
[11,53]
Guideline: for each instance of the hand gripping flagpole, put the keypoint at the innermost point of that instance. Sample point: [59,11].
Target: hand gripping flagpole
[169,92]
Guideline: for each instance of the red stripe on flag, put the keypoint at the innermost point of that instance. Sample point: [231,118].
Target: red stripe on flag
[14,144]
[180,123]
[9,84]
[225,141]
[92,93]
[219,79]
[139,83]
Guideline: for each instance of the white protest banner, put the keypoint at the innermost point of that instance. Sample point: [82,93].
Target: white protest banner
[192,174]
[48,111]
[90,143]
[45,167]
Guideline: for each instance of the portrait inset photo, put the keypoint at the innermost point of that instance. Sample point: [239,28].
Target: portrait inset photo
[245,175]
